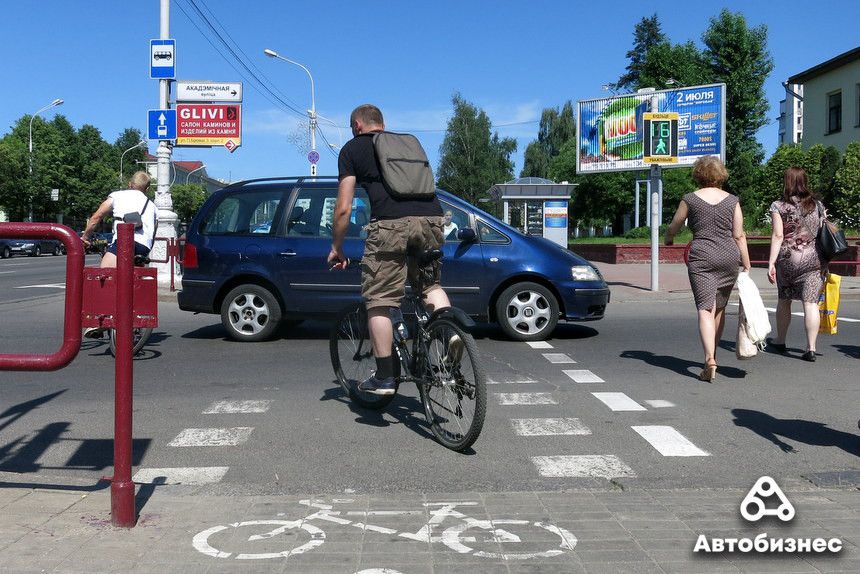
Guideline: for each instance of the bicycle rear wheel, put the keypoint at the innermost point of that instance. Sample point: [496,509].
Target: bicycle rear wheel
[139,337]
[352,356]
[454,389]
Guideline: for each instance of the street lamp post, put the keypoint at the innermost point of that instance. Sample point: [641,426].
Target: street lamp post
[141,143]
[56,102]
[192,171]
[312,113]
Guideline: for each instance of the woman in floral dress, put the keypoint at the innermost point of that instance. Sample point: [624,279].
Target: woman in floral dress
[795,264]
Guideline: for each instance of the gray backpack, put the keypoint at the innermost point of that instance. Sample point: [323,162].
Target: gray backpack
[403,165]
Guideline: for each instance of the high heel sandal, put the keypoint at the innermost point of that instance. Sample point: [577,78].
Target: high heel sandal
[709,372]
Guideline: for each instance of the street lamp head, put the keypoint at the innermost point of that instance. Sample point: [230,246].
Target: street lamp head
[57,102]
[141,143]
[671,82]
[270,53]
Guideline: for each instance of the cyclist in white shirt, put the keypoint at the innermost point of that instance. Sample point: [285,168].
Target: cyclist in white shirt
[120,204]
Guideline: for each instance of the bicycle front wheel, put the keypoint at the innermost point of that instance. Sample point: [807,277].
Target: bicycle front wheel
[139,337]
[352,356]
[454,385]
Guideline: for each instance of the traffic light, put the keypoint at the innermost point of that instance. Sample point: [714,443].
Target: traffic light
[661,137]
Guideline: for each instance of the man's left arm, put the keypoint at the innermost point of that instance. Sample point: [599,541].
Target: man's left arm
[342,211]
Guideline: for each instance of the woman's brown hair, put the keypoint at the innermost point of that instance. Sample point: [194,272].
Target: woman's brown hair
[709,171]
[795,185]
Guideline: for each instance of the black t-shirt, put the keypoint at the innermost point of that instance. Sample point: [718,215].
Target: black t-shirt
[357,158]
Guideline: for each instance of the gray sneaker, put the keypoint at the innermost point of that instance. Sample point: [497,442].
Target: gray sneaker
[93,332]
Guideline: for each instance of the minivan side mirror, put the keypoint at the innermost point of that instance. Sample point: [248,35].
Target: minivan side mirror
[466,234]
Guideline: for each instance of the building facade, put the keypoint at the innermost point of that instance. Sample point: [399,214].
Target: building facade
[831,101]
[791,115]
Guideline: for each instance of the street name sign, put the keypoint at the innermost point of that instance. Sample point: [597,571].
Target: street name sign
[162,124]
[209,125]
[187,91]
[162,59]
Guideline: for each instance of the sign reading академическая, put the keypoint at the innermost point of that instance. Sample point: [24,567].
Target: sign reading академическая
[611,129]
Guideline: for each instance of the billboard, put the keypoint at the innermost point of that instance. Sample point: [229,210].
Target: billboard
[611,130]
[209,125]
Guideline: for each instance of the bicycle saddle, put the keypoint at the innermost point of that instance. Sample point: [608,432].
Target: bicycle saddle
[141,260]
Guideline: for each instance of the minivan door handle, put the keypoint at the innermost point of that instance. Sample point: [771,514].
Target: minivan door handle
[289,253]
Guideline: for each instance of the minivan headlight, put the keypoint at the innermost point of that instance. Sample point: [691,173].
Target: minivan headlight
[584,273]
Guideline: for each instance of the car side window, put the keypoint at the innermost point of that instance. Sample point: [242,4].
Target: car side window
[244,213]
[454,220]
[313,213]
[487,234]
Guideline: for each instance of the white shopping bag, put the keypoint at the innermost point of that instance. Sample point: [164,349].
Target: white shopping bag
[755,315]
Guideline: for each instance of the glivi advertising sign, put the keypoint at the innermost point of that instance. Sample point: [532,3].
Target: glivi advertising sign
[611,129]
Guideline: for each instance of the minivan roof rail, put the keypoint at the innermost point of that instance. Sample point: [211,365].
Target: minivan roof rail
[298,179]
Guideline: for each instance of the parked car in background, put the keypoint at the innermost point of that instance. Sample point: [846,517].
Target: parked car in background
[31,247]
[256,254]
[99,242]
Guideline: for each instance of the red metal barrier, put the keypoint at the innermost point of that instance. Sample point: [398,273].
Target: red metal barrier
[74,286]
[172,256]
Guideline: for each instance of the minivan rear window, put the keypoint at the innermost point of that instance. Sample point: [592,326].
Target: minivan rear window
[243,213]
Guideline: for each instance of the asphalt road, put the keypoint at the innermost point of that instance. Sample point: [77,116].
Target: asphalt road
[773,415]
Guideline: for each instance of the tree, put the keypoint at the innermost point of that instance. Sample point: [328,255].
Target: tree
[471,160]
[683,63]
[128,139]
[646,34]
[738,56]
[831,161]
[846,206]
[187,199]
[556,129]
[13,177]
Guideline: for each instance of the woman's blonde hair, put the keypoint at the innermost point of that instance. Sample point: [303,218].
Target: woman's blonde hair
[709,171]
[139,181]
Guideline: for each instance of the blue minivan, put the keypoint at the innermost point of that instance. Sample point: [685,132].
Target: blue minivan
[256,254]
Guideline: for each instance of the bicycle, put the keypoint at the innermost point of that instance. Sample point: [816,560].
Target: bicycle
[452,388]
[140,335]
[495,542]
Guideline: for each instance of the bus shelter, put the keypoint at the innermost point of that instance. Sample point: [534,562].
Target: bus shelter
[535,206]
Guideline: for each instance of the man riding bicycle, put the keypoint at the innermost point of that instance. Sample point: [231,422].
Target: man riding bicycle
[132,206]
[398,226]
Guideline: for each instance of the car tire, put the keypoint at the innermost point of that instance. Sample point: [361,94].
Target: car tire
[37,252]
[527,311]
[7,253]
[57,251]
[250,313]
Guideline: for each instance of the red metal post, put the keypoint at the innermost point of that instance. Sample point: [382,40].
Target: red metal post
[172,251]
[122,488]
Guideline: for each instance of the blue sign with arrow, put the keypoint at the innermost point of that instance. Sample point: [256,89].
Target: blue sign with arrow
[162,125]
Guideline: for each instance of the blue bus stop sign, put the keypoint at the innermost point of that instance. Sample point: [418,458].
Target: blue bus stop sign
[162,125]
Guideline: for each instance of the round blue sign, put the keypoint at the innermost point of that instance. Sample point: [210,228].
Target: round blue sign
[313,156]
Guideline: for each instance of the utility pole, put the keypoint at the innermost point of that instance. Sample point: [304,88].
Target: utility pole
[654,206]
[168,221]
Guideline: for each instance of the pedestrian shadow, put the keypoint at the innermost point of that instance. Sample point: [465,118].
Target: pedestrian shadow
[681,366]
[850,351]
[799,430]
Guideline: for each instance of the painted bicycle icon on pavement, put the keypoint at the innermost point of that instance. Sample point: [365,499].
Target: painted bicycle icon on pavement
[461,533]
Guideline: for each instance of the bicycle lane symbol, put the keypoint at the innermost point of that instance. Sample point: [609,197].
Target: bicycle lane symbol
[451,536]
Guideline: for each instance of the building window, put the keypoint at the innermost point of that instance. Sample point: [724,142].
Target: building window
[834,112]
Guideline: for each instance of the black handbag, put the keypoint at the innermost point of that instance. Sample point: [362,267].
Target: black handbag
[831,240]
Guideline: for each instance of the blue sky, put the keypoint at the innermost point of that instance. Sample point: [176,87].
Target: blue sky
[512,59]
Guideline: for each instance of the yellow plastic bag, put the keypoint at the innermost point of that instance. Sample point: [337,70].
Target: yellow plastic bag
[828,304]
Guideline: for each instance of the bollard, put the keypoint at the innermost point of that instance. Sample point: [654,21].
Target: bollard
[122,488]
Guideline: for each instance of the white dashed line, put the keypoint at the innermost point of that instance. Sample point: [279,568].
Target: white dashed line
[619,402]
[506,399]
[539,345]
[583,466]
[659,404]
[557,358]
[212,437]
[511,382]
[46,286]
[6,272]
[549,427]
[230,407]
[800,314]
[583,376]
[668,441]
[180,475]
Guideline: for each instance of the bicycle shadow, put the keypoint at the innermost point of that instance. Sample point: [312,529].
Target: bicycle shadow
[402,408]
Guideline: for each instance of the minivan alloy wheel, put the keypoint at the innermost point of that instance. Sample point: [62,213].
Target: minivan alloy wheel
[250,313]
[527,311]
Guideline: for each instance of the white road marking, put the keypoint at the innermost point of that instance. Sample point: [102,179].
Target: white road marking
[583,376]
[539,345]
[229,407]
[548,427]
[212,437]
[619,402]
[6,272]
[582,466]
[46,285]
[800,314]
[506,399]
[659,403]
[180,475]
[668,441]
[557,358]
[511,382]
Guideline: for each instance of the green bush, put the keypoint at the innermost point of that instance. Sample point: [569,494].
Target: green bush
[644,232]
